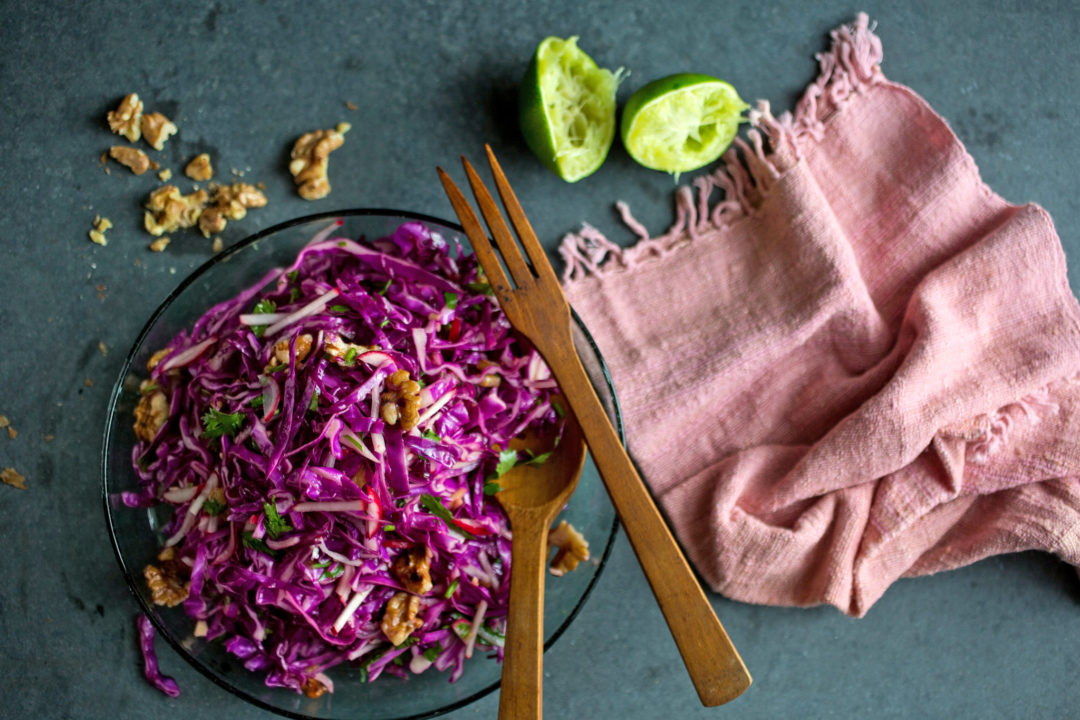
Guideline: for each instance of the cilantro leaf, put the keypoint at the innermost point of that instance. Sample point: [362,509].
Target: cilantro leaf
[432,435]
[491,487]
[538,459]
[213,507]
[339,308]
[262,307]
[451,300]
[252,543]
[480,287]
[217,423]
[275,524]
[558,409]
[507,460]
[431,653]
[384,288]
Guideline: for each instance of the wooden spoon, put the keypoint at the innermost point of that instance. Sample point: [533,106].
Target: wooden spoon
[532,495]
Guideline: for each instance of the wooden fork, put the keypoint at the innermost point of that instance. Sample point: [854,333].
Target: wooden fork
[536,306]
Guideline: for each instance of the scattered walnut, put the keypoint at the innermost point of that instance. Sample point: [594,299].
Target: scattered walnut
[310,159]
[229,202]
[217,246]
[151,412]
[200,168]
[400,621]
[401,401]
[303,347]
[103,348]
[97,233]
[157,128]
[412,568]
[491,379]
[313,688]
[13,477]
[133,158]
[168,209]
[573,548]
[160,244]
[165,175]
[126,118]
[165,585]
[12,433]
[4,422]
[351,105]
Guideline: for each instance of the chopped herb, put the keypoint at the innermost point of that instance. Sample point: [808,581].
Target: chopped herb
[480,287]
[451,299]
[294,294]
[507,460]
[434,506]
[319,566]
[292,275]
[262,307]
[407,642]
[491,487]
[352,440]
[390,528]
[314,404]
[149,387]
[538,459]
[364,675]
[385,287]
[252,543]
[213,507]
[333,572]
[342,243]
[275,524]
[384,323]
[275,368]
[431,653]
[450,590]
[217,423]
[350,357]
[432,435]
[256,402]
[339,308]
[558,409]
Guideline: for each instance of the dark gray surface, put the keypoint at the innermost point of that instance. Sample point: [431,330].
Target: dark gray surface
[433,80]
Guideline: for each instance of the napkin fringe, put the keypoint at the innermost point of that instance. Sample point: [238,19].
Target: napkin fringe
[747,170]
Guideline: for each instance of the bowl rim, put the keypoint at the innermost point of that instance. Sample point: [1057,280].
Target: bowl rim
[118,388]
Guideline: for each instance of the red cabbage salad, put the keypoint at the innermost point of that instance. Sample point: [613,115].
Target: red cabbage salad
[329,441]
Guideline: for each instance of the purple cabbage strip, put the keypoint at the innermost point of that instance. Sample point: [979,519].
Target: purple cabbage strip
[150,663]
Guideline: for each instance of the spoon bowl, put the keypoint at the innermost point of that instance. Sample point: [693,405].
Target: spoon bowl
[532,495]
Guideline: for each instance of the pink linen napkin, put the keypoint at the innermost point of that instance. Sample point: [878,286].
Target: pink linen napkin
[858,364]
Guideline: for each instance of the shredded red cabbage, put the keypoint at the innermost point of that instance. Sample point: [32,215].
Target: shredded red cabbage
[300,496]
[150,664]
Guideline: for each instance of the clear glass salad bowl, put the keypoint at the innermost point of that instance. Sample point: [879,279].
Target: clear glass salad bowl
[137,536]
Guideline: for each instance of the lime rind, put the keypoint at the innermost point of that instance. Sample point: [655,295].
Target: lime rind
[681,122]
[567,108]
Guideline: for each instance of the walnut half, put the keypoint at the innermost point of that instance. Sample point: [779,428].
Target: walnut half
[310,160]
[399,620]
[401,401]
[165,585]
[127,117]
[573,548]
[151,412]
[412,568]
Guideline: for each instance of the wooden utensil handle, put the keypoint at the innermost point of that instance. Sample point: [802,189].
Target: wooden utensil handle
[522,697]
[717,671]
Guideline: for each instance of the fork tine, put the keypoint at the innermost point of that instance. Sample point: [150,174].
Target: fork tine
[503,237]
[475,232]
[532,246]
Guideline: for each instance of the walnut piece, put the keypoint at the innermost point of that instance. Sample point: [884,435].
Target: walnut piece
[156,129]
[401,401]
[310,159]
[133,158]
[126,118]
[13,477]
[412,568]
[165,175]
[160,244]
[573,548]
[303,347]
[169,210]
[157,357]
[151,412]
[313,688]
[338,350]
[199,168]
[400,621]
[229,202]
[97,234]
[165,585]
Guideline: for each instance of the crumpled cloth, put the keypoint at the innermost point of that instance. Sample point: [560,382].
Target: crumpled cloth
[853,363]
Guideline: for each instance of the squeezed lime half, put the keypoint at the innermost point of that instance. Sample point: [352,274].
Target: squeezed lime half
[681,122]
[566,107]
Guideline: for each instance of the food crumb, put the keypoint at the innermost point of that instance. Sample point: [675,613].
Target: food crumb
[199,167]
[156,129]
[160,244]
[165,175]
[103,348]
[13,478]
[351,105]
[12,432]
[88,382]
[50,438]
[4,422]
[126,118]
[217,245]
[97,233]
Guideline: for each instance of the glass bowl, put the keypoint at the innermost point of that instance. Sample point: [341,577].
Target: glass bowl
[137,538]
